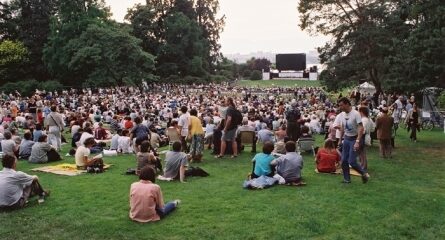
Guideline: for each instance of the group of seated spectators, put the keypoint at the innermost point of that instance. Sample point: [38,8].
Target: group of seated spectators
[130,121]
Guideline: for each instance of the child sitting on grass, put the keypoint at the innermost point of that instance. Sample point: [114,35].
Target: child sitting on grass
[261,162]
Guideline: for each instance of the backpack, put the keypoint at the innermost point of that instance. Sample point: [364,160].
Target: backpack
[237,118]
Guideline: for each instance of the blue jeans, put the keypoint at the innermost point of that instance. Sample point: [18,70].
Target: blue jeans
[349,157]
[168,208]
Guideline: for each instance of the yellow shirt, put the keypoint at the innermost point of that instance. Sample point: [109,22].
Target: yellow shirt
[196,126]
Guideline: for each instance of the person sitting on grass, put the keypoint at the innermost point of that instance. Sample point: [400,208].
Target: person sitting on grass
[146,158]
[9,146]
[17,187]
[289,166]
[261,162]
[176,163]
[328,158]
[124,142]
[82,154]
[43,152]
[26,146]
[37,132]
[146,200]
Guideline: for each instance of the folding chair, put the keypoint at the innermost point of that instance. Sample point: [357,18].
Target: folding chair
[248,138]
[306,145]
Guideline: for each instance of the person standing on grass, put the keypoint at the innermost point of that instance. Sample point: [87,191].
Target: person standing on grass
[54,127]
[293,117]
[146,200]
[230,128]
[384,125]
[368,127]
[183,125]
[352,131]
[196,134]
[17,187]
[412,121]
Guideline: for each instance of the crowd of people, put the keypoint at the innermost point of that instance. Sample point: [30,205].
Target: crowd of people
[130,120]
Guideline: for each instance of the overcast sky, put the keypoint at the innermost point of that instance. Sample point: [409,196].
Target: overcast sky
[252,25]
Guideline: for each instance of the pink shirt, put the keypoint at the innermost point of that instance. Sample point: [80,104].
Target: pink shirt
[144,198]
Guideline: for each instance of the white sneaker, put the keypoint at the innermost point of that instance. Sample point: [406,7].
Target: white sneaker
[177,202]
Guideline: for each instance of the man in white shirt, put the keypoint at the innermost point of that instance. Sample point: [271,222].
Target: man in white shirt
[16,187]
[183,125]
[352,129]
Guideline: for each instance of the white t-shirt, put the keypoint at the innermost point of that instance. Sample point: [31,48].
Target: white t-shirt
[184,123]
[124,145]
[349,122]
[84,137]
[81,152]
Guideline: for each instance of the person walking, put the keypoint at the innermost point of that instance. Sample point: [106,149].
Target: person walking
[352,131]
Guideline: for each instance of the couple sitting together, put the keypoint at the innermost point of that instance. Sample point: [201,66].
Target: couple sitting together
[176,163]
[288,166]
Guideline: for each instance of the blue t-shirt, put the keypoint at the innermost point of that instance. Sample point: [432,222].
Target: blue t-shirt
[262,164]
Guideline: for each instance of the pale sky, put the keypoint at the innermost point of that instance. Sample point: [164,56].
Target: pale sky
[252,26]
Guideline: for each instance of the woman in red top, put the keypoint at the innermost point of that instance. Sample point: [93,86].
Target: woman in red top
[328,157]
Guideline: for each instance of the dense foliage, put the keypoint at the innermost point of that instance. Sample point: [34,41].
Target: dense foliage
[75,42]
[397,45]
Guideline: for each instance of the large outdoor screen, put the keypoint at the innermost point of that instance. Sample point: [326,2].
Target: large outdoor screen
[291,62]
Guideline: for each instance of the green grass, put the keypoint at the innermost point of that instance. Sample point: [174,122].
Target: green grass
[279,83]
[405,199]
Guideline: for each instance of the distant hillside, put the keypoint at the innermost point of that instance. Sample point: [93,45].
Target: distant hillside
[311,57]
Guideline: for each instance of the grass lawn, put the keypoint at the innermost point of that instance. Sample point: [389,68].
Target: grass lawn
[280,83]
[405,199]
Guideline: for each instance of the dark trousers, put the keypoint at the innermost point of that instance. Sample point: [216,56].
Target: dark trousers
[293,131]
[414,127]
[53,156]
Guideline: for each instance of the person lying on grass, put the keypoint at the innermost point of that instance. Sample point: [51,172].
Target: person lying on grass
[17,187]
[289,166]
[82,154]
[176,163]
[146,201]
[261,162]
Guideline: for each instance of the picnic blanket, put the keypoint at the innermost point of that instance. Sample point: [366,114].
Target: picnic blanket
[339,171]
[64,169]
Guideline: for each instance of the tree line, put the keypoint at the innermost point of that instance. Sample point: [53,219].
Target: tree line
[396,45]
[75,43]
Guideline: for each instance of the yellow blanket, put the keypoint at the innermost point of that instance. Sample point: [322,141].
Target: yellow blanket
[339,171]
[64,169]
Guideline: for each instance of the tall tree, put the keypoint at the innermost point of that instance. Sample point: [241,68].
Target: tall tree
[397,45]
[73,18]
[106,54]
[184,48]
[211,25]
[34,25]
[13,58]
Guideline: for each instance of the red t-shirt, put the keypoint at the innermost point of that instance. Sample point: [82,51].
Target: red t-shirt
[327,160]
[128,124]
